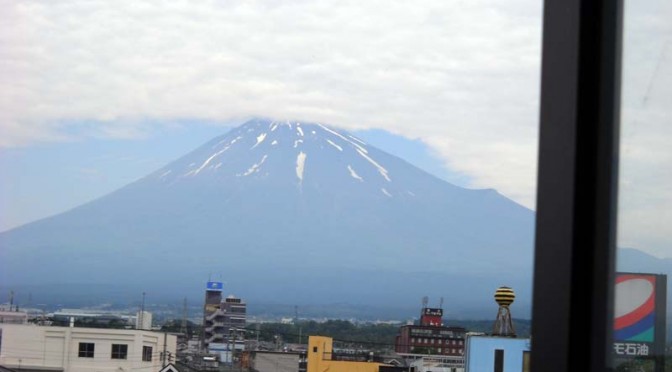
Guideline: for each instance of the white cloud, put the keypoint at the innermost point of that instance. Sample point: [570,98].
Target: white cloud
[462,76]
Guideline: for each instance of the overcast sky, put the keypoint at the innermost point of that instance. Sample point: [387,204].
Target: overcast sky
[460,76]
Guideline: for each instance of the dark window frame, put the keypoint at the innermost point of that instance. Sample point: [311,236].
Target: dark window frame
[147,353]
[87,350]
[572,323]
[121,351]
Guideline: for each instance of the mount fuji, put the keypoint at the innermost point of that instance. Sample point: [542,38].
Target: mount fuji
[286,212]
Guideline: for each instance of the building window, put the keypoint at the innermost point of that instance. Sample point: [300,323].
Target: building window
[432,341]
[413,339]
[499,360]
[119,351]
[146,353]
[526,361]
[439,350]
[86,349]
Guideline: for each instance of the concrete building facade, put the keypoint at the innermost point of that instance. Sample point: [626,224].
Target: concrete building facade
[73,349]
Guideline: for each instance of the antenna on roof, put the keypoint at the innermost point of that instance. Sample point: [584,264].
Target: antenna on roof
[441,303]
[425,300]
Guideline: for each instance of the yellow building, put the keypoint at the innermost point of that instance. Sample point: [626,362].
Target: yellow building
[320,351]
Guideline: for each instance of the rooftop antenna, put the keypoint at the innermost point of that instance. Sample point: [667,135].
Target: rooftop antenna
[441,303]
[296,314]
[11,300]
[425,301]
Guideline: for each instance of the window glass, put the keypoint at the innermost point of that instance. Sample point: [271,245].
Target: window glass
[119,351]
[146,353]
[644,241]
[86,349]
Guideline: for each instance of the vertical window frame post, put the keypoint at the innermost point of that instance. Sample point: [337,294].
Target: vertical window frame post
[577,186]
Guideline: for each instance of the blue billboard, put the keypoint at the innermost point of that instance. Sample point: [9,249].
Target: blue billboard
[215,286]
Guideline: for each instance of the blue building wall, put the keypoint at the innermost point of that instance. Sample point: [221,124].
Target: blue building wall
[480,353]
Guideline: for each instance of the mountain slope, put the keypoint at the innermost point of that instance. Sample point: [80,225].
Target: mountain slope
[288,212]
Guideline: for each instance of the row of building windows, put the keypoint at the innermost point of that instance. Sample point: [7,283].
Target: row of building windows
[452,351]
[439,341]
[439,350]
[119,351]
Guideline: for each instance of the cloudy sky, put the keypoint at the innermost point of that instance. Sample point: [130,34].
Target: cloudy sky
[461,77]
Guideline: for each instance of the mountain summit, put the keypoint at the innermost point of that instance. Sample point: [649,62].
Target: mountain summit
[287,212]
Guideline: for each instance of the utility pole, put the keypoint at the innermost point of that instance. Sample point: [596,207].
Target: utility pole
[141,318]
[234,345]
[258,331]
[183,327]
[228,346]
[165,340]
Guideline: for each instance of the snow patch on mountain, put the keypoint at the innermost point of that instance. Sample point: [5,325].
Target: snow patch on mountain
[357,139]
[381,170]
[255,167]
[300,163]
[206,162]
[260,139]
[354,174]
[335,145]
[359,148]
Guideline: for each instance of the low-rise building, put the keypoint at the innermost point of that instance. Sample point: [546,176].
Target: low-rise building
[28,348]
[497,354]
[321,357]
[278,361]
[431,337]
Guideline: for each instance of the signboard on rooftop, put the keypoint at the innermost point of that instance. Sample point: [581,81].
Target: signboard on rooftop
[215,286]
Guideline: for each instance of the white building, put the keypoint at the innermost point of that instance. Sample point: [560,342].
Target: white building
[15,317]
[143,320]
[71,349]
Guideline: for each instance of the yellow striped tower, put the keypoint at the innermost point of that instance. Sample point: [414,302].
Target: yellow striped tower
[504,297]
